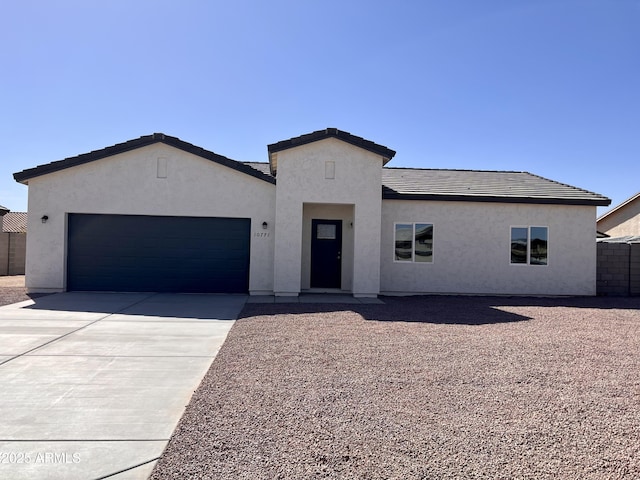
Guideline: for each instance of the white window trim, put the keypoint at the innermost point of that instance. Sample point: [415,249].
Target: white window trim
[528,227]
[413,246]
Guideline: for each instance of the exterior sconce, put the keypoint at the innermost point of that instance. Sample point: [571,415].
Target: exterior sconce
[265,225]
[44,218]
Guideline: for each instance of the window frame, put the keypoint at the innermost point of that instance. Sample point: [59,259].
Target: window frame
[528,262]
[412,260]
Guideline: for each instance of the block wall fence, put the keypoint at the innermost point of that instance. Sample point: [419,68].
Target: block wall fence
[618,269]
[13,252]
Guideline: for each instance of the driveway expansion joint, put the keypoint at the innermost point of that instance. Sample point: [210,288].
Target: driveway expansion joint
[105,400]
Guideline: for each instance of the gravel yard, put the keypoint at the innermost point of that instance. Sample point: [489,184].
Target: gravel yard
[419,388]
[12,290]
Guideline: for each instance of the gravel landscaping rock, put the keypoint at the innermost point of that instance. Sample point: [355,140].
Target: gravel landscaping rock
[419,388]
[12,290]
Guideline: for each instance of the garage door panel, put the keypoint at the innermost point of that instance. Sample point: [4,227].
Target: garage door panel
[165,254]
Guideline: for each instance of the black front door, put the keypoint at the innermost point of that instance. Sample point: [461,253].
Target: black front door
[326,253]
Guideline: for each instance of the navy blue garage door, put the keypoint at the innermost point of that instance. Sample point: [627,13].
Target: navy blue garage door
[133,253]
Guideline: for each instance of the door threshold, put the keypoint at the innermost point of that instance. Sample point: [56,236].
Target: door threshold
[334,291]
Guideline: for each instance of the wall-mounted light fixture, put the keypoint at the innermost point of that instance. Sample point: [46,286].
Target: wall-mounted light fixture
[265,225]
[44,218]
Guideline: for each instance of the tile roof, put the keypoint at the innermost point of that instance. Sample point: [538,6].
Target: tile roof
[482,185]
[625,239]
[387,153]
[260,166]
[475,185]
[397,183]
[143,141]
[14,222]
[3,210]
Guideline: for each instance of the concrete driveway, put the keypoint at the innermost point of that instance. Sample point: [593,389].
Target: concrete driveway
[93,384]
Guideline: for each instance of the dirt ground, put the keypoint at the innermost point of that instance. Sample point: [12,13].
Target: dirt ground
[12,281]
[419,388]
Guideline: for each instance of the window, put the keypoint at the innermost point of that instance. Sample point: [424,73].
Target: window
[414,242]
[529,245]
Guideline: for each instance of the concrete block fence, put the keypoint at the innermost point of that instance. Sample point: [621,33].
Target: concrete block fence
[13,250]
[618,269]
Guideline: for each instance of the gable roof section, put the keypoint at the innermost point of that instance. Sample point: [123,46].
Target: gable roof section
[3,210]
[481,186]
[14,222]
[143,141]
[397,183]
[360,142]
[619,207]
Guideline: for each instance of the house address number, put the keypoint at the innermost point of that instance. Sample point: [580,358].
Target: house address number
[261,234]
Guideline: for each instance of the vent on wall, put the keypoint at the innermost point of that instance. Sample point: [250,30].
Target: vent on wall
[330,170]
[162,167]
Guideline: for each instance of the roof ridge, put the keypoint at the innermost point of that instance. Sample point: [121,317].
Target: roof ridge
[566,185]
[454,170]
[331,132]
[142,141]
[618,207]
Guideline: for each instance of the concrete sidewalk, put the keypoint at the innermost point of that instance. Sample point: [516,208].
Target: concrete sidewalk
[93,384]
[305,297]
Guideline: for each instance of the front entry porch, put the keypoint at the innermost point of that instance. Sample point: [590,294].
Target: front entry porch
[327,248]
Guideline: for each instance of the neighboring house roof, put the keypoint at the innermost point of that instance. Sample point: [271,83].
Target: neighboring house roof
[397,183]
[3,210]
[625,239]
[600,234]
[143,141]
[619,207]
[14,222]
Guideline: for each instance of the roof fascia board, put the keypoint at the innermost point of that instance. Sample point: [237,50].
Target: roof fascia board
[318,135]
[141,142]
[390,195]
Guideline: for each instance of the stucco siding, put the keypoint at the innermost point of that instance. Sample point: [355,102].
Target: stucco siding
[302,179]
[471,249]
[623,222]
[153,180]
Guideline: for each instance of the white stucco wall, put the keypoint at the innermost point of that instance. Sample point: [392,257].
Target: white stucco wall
[128,183]
[301,179]
[471,252]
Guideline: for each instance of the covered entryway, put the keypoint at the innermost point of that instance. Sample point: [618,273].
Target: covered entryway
[137,253]
[327,247]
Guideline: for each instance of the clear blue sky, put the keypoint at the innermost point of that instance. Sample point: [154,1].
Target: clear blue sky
[546,86]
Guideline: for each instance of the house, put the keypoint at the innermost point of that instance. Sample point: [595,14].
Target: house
[13,242]
[623,220]
[325,213]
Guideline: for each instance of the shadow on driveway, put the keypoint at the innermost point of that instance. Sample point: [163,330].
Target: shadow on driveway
[194,306]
